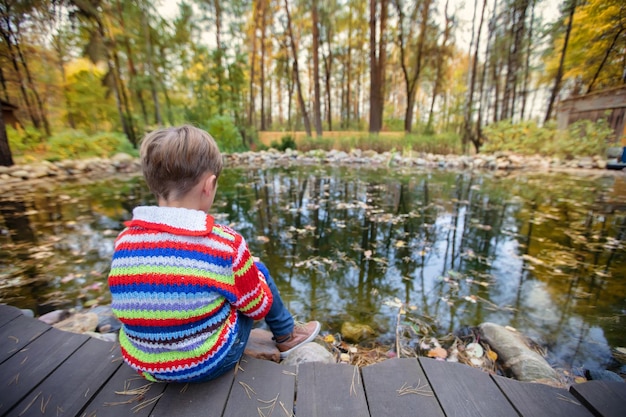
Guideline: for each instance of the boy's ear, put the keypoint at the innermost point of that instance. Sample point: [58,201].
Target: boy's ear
[210,183]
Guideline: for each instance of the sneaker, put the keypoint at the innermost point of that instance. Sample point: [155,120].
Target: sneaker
[302,333]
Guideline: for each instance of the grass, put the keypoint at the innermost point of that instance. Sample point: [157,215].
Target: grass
[349,140]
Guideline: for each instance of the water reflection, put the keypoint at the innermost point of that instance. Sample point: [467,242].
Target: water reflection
[542,253]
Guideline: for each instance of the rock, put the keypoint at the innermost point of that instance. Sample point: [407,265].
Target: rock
[107,322]
[309,352]
[27,312]
[54,317]
[513,352]
[79,323]
[261,346]
[355,333]
[108,337]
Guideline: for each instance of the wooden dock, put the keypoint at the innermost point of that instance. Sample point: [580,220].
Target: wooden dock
[48,372]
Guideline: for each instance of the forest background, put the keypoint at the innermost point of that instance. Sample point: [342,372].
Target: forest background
[91,77]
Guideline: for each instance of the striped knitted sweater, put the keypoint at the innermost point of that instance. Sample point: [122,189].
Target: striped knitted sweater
[177,280]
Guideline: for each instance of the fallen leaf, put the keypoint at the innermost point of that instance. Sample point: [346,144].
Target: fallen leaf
[438,352]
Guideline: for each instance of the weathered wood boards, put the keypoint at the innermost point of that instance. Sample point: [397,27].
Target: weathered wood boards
[45,371]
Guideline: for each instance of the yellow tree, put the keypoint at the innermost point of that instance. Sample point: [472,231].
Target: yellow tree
[597,47]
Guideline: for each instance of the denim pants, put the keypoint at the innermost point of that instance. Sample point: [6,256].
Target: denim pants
[278,319]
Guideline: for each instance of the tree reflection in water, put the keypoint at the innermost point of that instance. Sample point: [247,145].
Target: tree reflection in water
[543,253]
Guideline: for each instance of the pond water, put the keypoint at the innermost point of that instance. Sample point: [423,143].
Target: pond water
[543,253]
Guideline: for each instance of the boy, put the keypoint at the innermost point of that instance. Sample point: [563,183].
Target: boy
[187,289]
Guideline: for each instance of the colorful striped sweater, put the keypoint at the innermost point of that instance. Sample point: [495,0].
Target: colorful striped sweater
[177,280]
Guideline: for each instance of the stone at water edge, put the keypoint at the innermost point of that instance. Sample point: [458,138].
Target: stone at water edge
[309,352]
[54,316]
[514,354]
[79,323]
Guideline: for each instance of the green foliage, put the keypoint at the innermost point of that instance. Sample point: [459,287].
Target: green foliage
[226,134]
[74,144]
[394,125]
[583,138]
[26,141]
[286,141]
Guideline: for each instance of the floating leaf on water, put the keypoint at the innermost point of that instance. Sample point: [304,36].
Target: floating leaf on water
[263,239]
[532,259]
[400,244]
[471,298]
[368,254]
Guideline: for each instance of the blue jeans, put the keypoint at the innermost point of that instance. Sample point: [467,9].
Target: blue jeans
[278,319]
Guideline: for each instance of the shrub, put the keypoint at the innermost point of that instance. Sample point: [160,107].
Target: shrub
[226,134]
[26,141]
[583,138]
[286,142]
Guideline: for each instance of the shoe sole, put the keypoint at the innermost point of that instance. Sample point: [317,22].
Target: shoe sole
[313,335]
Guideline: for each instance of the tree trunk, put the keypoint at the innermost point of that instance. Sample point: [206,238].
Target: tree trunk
[12,55]
[606,56]
[31,84]
[377,64]
[262,68]
[294,51]
[150,65]
[317,108]
[527,64]
[439,66]
[6,158]
[559,73]
[468,134]
[349,74]
[251,98]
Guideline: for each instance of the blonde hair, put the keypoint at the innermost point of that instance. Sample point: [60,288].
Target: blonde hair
[174,159]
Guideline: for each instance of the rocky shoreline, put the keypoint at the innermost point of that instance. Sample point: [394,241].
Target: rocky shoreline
[127,164]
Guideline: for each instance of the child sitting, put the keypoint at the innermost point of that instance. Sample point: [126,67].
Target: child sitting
[185,288]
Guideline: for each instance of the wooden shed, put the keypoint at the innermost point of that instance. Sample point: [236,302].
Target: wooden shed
[609,104]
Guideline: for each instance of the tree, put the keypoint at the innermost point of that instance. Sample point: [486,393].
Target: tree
[102,46]
[410,48]
[12,15]
[468,134]
[6,158]
[559,75]
[378,56]
[317,104]
[296,73]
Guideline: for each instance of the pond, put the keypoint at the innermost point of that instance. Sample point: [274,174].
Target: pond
[543,253]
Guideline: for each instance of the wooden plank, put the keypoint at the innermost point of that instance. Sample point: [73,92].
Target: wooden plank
[329,390]
[604,398]
[30,365]
[191,400]
[70,387]
[261,388]
[465,391]
[546,400]
[126,394]
[398,387]
[8,313]
[18,333]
